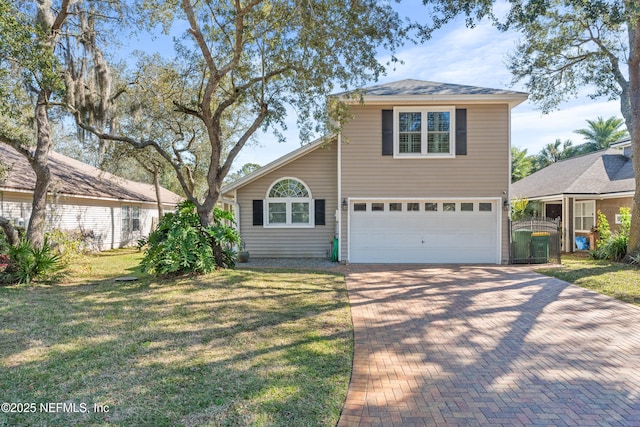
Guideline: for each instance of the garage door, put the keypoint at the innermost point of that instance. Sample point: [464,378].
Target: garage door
[424,231]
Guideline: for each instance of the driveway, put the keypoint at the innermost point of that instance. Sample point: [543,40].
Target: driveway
[488,345]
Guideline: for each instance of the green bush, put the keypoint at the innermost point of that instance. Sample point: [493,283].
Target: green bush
[180,244]
[69,244]
[613,246]
[604,230]
[26,263]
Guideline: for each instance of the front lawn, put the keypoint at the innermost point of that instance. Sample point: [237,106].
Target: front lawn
[230,348]
[621,281]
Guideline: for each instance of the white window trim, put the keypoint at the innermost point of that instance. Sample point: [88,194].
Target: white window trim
[130,231]
[576,216]
[289,201]
[423,110]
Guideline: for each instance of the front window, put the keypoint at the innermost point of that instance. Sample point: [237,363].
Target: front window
[289,204]
[424,132]
[135,218]
[126,219]
[130,219]
[585,217]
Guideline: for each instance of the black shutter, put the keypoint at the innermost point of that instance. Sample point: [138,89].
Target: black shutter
[387,132]
[319,212]
[461,132]
[258,217]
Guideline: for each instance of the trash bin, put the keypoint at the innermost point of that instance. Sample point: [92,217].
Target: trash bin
[581,243]
[334,251]
[521,241]
[540,247]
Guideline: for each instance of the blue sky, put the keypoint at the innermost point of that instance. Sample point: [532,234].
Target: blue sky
[476,57]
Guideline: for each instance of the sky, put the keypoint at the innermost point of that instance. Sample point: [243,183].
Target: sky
[476,57]
[467,56]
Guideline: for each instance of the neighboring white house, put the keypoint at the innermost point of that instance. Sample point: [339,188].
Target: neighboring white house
[111,211]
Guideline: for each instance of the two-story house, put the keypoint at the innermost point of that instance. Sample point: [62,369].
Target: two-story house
[420,174]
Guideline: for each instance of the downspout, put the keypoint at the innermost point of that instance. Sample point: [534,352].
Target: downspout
[508,212]
[339,204]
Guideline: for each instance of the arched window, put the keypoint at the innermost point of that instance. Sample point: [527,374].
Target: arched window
[289,204]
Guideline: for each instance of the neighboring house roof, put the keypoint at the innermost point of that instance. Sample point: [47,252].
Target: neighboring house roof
[602,172]
[74,178]
[411,89]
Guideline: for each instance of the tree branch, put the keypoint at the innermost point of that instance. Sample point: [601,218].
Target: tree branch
[142,144]
[197,34]
[233,153]
[186,110]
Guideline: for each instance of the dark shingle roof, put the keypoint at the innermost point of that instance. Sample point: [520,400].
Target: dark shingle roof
[420,87]
[74,178]
[603,172]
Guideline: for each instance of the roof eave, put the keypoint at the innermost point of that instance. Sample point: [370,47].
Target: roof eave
[612,195]
[513,100]
[84,197]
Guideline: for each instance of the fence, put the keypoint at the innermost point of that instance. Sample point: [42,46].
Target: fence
[534,240]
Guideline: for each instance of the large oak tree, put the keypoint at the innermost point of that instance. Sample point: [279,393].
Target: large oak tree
[34,42]
[240,66]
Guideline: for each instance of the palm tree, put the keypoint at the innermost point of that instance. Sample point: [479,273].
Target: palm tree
[552,153]
[602,133]
[521,164]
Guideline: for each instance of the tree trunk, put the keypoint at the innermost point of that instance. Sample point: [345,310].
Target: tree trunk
[156,184]
[634,131]
[40,164]
[9,231]
[205,213]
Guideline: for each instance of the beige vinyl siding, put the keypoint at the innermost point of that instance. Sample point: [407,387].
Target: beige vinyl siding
[483,172]
[318,170]
[101,218]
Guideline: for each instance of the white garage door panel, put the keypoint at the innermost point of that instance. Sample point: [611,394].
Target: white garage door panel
[424,237]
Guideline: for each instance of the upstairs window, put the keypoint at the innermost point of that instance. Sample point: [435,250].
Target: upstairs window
[288,204]
[424,132]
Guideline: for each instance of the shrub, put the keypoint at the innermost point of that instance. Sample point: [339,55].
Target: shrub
[180,244]
[27,263]
[70,244]
[613,246]
[604,230]
[519,209]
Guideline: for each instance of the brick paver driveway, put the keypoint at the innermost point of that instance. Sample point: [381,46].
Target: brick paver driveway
[488,345]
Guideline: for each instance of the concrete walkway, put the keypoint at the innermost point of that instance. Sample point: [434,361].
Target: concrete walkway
[488,345]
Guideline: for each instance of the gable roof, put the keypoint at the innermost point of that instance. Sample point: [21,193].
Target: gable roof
[420,90]
[74,178]
[602,172]
[287,158]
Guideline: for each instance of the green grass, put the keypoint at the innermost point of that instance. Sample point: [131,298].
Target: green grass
[621,281]
[235,347]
